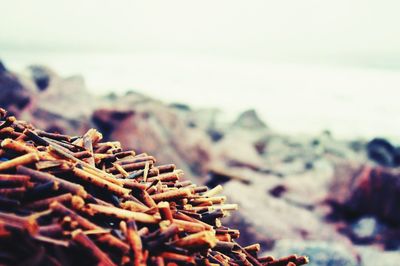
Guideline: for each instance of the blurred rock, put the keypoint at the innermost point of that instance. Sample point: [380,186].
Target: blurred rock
[181,107]
[320,253]
[271,217]
[382,151]
[365,227]
[41,76]
[235,150]
[2,68]
[344,175]
[249,120]
[374,191]
[220,175]
[206,120]
[13,96]
[371,256]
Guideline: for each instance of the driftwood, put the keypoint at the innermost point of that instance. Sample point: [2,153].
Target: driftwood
[78,201]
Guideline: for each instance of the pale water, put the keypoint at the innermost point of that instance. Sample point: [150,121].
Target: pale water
[292,98]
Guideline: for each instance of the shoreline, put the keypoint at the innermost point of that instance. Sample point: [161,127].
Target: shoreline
[293,98]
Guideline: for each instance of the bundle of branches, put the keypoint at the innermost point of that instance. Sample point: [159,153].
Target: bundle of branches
[75,200]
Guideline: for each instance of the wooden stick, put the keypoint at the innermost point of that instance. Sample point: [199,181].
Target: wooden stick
[45,177]
[212,192]
[178,258]
[136,160]
[17,146]
[84,241]
[121,214]
[134,206]
[136,243]
[173,176]
[165,211]
[197,241]
[172,195]
[102,183]
[21,160]
[86,224]
[45,203]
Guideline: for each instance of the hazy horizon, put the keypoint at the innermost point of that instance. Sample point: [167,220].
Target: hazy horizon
[304,65]
[356,33]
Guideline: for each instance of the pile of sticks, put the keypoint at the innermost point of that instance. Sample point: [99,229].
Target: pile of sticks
[75,200]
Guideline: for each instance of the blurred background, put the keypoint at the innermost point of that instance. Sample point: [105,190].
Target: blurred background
[305,66]
[292,105]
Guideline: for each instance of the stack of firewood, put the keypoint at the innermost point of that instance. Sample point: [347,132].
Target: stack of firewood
[75,200]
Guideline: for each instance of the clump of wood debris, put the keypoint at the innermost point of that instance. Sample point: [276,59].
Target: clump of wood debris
[75,200]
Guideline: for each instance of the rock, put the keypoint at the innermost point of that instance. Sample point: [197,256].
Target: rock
[278,191]
[266,216]
[320,253]
[365,227]
[181,107]
[220,175]
[236,150]
[52,122]
[68,92]
[205,119]
[107,120]
[41,76]
[310,188]
[372,192]
[13,96]
[376,191]
[2,68]
[381,151]
[344,175]
[371,256]
[249,120]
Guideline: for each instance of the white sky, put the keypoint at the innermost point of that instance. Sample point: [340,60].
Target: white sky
[363,31]
[305,65]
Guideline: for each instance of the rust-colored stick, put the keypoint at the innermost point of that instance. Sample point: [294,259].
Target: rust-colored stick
[95,251]
[172,195]
[136,160]
[189,227]
[17,192]
[45,177]
[144,197]
[135,242]
[178,258]
[99,182]
[130,167]
[28,223]
[197,241]
[184,217]
[21,160]
[88,225]
[87,143]
[134,206]
[165,211]
[15,179]
[121,213]
[69,155]
[17,146]
[173,176]
[55,136]
[45,203]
